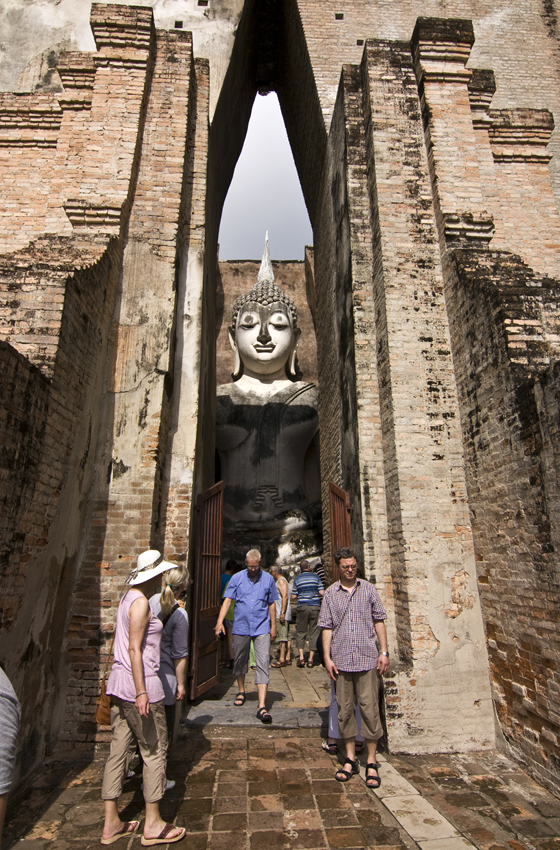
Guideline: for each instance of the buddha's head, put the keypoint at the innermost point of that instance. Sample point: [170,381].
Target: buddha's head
[264,334]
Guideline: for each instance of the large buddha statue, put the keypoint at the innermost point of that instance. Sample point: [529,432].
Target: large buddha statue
[267,432]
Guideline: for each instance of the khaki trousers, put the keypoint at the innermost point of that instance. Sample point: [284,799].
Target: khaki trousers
[151,734]
[362,688]
[306,625]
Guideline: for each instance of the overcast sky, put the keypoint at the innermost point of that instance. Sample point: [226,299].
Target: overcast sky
[265,193]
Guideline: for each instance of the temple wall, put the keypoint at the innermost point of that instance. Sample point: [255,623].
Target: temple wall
[88,296]
[431,567]
[335,333]
[49,435]
[433,288]
[503,314]
[508,395]
[129,503]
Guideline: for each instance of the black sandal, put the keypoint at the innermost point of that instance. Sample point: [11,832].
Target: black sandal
[239,699]
[348,774]
[373,779]
[264,716]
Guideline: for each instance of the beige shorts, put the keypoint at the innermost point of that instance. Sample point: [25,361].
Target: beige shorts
[283,631]
[362,688]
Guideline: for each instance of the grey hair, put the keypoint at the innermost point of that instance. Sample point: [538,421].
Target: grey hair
[253,555]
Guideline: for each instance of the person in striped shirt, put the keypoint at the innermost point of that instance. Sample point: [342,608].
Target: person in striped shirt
[307,590]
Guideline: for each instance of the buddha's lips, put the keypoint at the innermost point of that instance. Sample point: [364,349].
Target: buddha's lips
[267,348]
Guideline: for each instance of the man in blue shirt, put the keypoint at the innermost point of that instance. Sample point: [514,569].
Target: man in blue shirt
[307,589]
[255,596]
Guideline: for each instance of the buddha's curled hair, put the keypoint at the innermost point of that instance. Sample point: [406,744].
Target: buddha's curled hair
[265,293]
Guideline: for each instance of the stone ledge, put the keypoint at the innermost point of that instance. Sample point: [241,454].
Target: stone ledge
[518,135]
[105,216]
[76,70]
[465,227]
[125,58]
[441,48]
[116,26]
[33,111]
[482,86]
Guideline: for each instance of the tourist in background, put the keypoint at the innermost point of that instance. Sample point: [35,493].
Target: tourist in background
[307,590]
[232,567]
[283,618]
[331,744]
[320,570]
[174,646]
[255,596]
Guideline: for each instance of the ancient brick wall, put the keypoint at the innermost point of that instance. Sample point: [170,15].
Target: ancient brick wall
[503,340]
[84,140]
[434,294]
[190,460]
[431,547]
[491,189]
[23,418]
[126,504]
[116,164]
[54,462]
[335,328]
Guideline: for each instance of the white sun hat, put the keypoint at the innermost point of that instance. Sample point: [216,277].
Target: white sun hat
[149,565]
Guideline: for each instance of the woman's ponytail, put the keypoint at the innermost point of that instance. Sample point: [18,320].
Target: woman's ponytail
[173,580]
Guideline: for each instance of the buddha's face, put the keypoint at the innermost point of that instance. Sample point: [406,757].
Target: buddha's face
[265,337]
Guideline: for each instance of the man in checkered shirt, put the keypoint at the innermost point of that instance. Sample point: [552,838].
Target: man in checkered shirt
[351,617]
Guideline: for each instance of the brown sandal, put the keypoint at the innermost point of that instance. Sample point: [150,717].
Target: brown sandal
[347,774]
[163,837]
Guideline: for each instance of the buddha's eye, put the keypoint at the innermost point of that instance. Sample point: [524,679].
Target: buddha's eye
[279,320]
[249,320]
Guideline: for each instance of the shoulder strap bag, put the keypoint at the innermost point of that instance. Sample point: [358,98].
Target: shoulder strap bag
[103,706]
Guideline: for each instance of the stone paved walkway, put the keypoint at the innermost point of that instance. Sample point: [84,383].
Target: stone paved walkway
[244,786]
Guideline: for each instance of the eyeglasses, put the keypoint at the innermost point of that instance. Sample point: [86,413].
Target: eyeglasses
[348,566]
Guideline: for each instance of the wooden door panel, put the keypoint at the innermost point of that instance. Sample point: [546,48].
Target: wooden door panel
[205,646]
[341,532]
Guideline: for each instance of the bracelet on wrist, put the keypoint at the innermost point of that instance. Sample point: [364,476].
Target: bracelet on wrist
[141,694]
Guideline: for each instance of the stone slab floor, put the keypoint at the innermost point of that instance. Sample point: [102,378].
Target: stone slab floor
[244,786]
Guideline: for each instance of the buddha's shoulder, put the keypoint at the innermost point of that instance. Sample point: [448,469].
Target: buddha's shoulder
[305,391]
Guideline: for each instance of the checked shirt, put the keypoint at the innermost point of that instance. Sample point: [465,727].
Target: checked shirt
[351,614]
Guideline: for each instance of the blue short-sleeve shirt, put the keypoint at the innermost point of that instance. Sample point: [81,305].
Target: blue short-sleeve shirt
[252,599]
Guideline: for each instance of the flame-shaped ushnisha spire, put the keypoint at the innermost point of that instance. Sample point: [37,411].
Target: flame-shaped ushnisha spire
[266,274]
[265,292]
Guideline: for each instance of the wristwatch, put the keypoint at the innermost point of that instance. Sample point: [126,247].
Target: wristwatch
[384,653]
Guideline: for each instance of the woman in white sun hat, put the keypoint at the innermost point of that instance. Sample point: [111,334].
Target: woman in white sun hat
[137,706]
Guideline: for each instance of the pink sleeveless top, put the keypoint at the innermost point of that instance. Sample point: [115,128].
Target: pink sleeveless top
[120,683]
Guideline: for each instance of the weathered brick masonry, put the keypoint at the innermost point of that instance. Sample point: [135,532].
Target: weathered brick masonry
[101,219]
[509,409]
[428,161]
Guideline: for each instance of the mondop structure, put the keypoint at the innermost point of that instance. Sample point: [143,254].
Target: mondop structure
[426,153]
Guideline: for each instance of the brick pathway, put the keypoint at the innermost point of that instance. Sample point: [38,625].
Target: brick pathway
[245,786]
